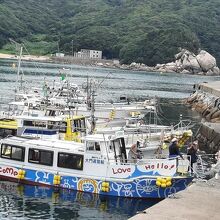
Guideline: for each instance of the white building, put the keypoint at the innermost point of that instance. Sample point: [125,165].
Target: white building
[88,54]
[59,54]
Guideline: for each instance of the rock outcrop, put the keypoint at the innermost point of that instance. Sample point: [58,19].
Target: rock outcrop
[187,62]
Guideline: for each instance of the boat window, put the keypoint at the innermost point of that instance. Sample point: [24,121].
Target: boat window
[34,123]
[119,150]
[83,124]
[93,146]
[50,113]
[12,152]
[70,161]
[40,157]
[4,132]
[28,123]
[78,125]
[53,125]
[63,127]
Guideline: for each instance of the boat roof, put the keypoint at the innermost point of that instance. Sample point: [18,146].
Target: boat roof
[45,144]
[102,137]
[39,118]
[48,118]
[8,124]
[16,103]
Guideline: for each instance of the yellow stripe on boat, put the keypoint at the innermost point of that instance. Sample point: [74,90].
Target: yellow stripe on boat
[8,124]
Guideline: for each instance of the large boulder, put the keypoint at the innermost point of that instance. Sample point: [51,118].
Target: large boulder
[194,64]
[171,67]
[209,73]
[180,54]
[206,60]
[185,71]
[185,61]
[189,63]
[215,70]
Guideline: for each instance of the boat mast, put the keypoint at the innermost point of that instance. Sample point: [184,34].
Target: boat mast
[19,63]
[19,68]
[92,95]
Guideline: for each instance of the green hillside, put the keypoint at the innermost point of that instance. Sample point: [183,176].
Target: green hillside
[146,31]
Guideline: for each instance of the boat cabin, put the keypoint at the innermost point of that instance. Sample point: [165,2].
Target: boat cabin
[63,128]
[113,147]
[92,157]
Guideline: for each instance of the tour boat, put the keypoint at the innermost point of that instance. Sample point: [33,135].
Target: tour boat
[99,165]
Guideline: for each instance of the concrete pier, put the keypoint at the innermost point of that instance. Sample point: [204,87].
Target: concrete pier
[211,87]
[199,201]
[206,101]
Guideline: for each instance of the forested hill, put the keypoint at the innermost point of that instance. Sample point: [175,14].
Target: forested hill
[146,31]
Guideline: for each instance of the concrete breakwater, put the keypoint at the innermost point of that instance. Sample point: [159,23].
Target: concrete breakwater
[206,101]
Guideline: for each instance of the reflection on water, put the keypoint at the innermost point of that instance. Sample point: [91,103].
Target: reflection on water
[34,202]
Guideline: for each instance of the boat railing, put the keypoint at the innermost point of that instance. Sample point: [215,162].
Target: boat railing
[204,167]
[9,114]
[182,125]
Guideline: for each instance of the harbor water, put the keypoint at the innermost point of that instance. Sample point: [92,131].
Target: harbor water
[30,202]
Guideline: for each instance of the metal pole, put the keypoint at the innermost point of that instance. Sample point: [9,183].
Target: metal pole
[19,67]
[93,125]
[72,48]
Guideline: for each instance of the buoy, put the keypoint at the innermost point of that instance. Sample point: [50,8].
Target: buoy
[158,183]
[163,185]
[164,182]
[21,174]
[105,186]
[159,179]
[168,178]
[56,179]
[168,183]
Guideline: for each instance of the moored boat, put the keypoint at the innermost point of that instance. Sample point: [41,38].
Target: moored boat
[70,128]
[99,165]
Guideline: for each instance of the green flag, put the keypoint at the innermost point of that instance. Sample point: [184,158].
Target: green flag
[62,77]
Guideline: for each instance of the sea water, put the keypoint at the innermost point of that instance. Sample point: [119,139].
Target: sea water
[31,202]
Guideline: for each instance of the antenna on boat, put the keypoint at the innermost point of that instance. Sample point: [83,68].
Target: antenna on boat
[91,88]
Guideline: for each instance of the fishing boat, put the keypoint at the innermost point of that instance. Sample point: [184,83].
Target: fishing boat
[69,128]
[99,165]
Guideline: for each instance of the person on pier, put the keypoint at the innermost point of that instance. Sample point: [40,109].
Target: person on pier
[174,149]
[192,155]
